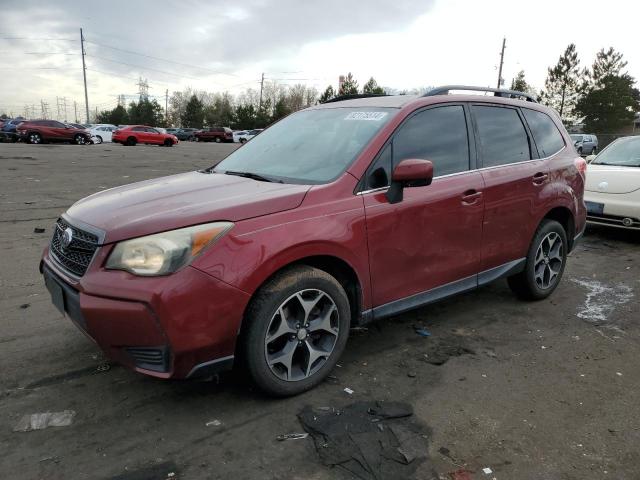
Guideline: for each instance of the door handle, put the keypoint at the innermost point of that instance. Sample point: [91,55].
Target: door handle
[470,197]
[539,178]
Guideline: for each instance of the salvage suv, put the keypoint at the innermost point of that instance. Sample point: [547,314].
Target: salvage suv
[268,258]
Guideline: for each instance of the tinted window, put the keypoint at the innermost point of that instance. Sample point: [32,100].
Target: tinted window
[438,134]
[57,125]
[503,138]
[379,174]
[138,129]
[545,133]
[152,130]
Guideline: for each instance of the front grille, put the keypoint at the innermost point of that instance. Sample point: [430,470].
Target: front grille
[150,358]
[77,256]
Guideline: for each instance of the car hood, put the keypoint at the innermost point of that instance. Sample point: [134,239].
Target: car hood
[182,200]
[612,179]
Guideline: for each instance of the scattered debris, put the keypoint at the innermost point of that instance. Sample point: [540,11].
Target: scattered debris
[487,471]
[39,230]
[443,351]
[292,436]
[103,367]
[348,390]
[40,421]
[25,306]
[619,374]
[423,332]
[411,374]
[371,440]
[213,423]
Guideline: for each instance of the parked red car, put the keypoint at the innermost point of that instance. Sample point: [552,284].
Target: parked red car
[134,134]
[270,257]
[39,131]
[214,134]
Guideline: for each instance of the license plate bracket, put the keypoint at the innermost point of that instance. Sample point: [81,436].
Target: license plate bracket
[595,208]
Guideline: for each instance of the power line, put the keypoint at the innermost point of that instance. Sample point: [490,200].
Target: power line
[143,68]
[39,38]
[162,59]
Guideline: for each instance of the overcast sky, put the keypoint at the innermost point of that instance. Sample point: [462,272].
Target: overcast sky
[226,45]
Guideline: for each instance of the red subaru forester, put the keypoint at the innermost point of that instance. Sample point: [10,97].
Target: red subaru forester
[343,213]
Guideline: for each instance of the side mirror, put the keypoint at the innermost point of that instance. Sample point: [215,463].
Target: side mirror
[590,158]
[409,173]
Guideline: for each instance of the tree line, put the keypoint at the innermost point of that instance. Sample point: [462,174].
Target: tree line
[604,96]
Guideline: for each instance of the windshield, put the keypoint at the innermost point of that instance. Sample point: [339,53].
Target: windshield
[624,153]
[309,147]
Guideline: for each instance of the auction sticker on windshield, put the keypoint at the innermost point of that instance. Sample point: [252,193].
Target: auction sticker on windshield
[372,116]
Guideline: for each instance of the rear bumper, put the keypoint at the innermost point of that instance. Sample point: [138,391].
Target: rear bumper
[179,326]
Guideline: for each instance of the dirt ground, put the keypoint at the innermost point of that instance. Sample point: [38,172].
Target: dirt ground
[546,390]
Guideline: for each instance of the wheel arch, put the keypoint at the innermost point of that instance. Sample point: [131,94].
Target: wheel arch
[564,216]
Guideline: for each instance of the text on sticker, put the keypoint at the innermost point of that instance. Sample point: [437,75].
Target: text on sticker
[373,116]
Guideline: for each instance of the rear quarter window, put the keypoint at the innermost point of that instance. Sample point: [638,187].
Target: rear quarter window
[545,132]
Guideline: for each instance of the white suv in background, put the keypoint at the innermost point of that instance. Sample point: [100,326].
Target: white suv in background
[243,136]
[102,132]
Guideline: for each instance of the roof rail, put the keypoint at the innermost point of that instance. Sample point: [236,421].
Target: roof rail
[339,98]
[498,92]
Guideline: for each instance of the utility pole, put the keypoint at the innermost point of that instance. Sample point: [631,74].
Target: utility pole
[166,106]
[261,86]
[504,42]
[84,76]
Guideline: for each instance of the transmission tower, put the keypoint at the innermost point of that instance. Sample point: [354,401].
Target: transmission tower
[143,88]
[44,109]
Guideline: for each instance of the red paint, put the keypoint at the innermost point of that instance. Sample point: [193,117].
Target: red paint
[134,134]
[454,228]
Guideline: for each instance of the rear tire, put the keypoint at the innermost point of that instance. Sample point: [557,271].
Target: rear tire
[131,141]
[80,140]
[546,260]
[579,150]
[296,328]
[594,151]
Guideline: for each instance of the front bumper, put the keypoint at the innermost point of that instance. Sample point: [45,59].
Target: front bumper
[178,326]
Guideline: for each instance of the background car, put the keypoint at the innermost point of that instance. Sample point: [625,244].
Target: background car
[39,131]
[243,136]
[187,134]
[612,190]
[10,126]
[214,134]
[102,133]
[585,144]
[172,131]
[135,134]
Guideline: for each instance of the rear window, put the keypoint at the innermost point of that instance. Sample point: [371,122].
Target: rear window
[545,132]
[503,138]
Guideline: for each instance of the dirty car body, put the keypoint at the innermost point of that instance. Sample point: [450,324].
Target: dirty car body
[364,225]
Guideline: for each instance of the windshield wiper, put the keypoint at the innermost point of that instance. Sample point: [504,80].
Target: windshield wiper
[253,176]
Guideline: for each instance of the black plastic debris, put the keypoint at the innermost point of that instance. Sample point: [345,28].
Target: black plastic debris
[24,306]
[371,440]
[39,230]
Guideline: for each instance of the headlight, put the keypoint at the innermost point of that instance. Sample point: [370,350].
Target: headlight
[166,252]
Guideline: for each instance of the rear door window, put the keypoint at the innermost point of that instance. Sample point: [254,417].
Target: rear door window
[503,138]
[545,132]
[437,134]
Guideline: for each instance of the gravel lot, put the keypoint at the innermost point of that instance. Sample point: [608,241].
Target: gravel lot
[547,390]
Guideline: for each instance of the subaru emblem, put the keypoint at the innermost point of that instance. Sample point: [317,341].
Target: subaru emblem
[66,238]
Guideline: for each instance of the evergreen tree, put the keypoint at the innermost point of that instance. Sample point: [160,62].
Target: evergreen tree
[193,115]
[519,83]
[372,87]
[349,86]
[610,107]
[328,94]
[146,112]
[117,116]
[245,116]
[607,63]
[281,109]
[562,86]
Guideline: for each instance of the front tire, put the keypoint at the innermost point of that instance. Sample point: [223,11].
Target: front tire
[35,138]
[546,260]
[80,140]
[168,143]
[131,141]
[297,327]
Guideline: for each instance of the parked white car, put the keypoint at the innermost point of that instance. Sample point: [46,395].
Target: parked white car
[243,136]
[612,189]
[102,133]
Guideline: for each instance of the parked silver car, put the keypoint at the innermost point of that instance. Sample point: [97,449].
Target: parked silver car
[585,144]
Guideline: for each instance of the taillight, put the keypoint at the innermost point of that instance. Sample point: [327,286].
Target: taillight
[581,165]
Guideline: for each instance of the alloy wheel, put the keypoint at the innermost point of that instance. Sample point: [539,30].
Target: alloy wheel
[301,335]
[80,140]
[35,138]
[549,260]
